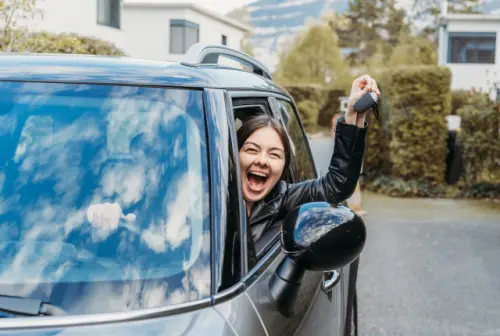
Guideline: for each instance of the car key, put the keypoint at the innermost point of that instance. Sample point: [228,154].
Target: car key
[366,102]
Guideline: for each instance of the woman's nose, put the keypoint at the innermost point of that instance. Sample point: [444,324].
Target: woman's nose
[262,159]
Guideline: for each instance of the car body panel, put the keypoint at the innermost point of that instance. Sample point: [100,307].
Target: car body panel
[125,71]
[205,321]
[245,308]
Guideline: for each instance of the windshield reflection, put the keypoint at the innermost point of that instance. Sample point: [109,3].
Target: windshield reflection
[104,203]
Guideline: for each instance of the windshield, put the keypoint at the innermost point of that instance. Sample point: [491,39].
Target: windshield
[104,196]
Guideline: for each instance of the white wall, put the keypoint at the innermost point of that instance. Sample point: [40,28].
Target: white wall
[148,31]
[479,76]
[75,16]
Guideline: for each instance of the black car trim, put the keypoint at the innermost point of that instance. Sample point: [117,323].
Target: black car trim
[243,226]
[213,270]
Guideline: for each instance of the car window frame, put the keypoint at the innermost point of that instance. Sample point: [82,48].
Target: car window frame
[272,246]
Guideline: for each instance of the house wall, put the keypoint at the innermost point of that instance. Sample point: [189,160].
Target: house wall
[468,75]
[148,31]
[145,28]
[75,16]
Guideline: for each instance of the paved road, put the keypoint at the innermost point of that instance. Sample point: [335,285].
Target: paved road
[430,267]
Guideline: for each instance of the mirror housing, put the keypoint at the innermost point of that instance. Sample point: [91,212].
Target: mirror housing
[316,236]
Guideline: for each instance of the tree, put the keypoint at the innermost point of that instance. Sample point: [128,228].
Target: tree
[372,25]
[428,11]
[314,58]
[414,50]
[13,14]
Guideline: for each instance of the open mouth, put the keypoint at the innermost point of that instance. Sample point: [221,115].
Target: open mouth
[257,180]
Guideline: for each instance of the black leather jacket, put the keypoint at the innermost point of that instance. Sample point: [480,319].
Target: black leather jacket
[336,186]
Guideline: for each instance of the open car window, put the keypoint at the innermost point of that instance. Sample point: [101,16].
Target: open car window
[103,196]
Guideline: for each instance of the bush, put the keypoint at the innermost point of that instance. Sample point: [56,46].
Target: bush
[397,187]
[45,42]
[309,98]
[309,111]
[330,106]
[377,161]
[480,135]
[458,99]
[419,100]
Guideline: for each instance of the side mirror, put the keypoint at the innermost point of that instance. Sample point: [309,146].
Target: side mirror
[316,236]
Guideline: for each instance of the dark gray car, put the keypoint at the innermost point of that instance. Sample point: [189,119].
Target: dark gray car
[121,209]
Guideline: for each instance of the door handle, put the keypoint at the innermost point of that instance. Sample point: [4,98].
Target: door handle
[330,279]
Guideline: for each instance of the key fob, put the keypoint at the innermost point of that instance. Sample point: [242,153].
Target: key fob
[367,101]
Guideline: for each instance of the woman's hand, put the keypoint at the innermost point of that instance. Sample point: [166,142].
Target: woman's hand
[360,87]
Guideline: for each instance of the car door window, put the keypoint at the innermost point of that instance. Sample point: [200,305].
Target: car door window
[302,162]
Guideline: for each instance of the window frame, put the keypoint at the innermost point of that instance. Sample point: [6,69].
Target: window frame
[182,23]
[108,21]
[452,59]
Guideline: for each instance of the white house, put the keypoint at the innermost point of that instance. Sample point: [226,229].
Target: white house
[149,29]
[468,47]
[162,30]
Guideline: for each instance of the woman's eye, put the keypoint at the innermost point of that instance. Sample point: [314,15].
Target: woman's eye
[276,156]
[251,150]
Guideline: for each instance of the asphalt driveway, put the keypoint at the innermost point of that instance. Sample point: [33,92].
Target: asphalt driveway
[430,266]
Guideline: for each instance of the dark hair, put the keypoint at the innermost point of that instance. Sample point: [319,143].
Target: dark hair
[260,121]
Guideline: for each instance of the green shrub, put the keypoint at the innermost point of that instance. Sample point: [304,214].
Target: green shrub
[309,98]
[376,161]
[397,187]
[458,99]
[330,106]
[480,136]
[67,43]
[419,99]
[308,110]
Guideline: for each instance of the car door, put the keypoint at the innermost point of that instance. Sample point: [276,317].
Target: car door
[327,311]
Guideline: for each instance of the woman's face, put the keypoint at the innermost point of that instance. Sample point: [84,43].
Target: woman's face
[262,160]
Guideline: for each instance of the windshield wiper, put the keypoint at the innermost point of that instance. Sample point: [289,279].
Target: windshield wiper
[28,307]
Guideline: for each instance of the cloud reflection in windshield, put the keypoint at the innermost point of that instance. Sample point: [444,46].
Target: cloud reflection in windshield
[145,157]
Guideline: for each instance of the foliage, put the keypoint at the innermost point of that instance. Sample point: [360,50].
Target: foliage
[12,14]
[330,107]
[398,187]
[414,50]
[308,111]
[458,99]
[372,25]
[313,57]
[480,134]
[420,100]
[63,43]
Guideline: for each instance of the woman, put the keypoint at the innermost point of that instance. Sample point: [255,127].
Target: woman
[264,154]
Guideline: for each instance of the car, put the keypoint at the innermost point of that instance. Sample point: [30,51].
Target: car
[121,210]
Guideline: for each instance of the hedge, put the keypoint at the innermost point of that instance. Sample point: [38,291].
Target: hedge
[480,136]
[330,106]
[66,43]
[420,99]
[309,98]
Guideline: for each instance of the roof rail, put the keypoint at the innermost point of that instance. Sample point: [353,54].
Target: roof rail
[200,53]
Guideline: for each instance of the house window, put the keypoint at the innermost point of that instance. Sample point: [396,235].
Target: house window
[108,13]
[472,48]
[224,40]
[183,34]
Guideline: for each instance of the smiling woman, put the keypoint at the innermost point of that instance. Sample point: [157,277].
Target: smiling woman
[102,192]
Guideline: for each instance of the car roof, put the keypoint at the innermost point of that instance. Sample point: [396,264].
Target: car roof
[72,68]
